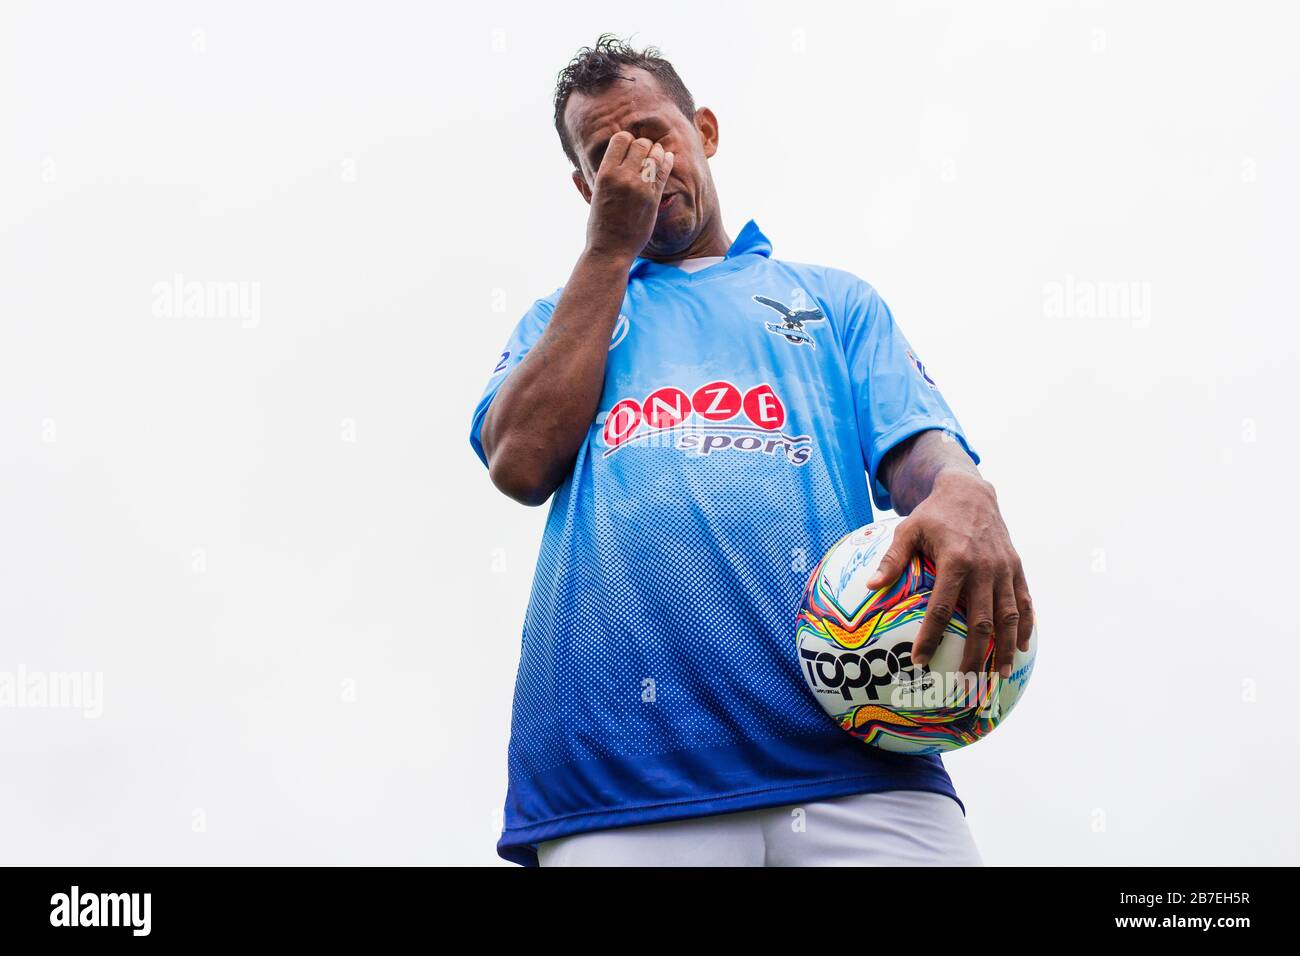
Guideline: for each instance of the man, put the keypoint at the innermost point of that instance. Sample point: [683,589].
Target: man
[706,420]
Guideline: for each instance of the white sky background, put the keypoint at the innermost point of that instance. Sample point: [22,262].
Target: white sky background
[268,534]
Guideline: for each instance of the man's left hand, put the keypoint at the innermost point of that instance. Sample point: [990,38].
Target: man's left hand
[958,526]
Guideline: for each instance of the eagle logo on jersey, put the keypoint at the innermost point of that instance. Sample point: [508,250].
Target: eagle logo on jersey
[791,328]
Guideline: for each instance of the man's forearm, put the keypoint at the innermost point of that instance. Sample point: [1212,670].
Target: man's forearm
[911,468]
[544,409]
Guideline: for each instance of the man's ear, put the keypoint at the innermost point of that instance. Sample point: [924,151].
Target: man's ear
[707,124]
[580,181]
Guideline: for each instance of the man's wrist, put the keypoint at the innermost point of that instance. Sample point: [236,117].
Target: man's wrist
[606,259]
[961,478]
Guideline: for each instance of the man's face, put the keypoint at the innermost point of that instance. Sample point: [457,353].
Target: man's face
[639,106]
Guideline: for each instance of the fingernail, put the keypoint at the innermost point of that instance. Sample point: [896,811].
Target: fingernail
[1005,671]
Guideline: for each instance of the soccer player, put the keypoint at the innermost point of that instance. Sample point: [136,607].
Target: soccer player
[706,421]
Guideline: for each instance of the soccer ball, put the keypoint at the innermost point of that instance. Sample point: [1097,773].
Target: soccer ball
[855,648]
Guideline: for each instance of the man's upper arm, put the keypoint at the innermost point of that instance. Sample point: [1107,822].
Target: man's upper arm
[522,339]
[895,396]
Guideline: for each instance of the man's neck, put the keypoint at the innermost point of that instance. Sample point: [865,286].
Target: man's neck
[712,241]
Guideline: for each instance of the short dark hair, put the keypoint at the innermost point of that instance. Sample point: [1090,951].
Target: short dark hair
[594,68]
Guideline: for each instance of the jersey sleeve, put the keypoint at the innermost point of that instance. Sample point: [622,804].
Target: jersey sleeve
[524,337]
[894,394]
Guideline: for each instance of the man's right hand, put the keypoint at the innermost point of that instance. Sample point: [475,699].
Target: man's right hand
[544,409]
[626,194]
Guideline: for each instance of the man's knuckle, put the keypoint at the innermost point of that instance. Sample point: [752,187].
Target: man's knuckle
[962,558]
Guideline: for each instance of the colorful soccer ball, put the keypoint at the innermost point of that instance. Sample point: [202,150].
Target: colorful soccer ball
[855,647]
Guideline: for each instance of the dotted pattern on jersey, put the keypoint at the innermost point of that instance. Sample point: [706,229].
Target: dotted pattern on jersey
[683,589]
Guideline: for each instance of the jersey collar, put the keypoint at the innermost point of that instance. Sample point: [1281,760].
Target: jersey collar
[750,242]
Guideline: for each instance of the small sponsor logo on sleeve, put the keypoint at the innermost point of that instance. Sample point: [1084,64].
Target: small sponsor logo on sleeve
[920,369]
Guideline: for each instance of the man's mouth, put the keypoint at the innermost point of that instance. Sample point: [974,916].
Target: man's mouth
[666,201]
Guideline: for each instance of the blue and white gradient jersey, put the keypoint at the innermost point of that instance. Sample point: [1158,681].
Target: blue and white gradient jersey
[746,409]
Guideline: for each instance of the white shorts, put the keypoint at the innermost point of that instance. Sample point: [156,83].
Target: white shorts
[893,828]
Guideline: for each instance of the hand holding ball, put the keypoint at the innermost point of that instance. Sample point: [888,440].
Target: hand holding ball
[854,646]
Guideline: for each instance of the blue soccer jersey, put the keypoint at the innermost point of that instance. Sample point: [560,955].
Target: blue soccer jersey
[745,413]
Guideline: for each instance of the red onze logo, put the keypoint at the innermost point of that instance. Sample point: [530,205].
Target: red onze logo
[712,418]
